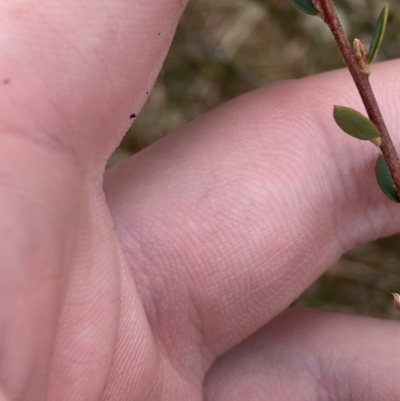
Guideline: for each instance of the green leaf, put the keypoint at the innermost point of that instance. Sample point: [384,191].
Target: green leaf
[354,123]
[306,6]
[385,179]
[378,34]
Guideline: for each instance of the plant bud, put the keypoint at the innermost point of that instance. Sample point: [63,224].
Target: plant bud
[396,300]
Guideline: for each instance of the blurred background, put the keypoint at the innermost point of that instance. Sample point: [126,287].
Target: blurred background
[228,47]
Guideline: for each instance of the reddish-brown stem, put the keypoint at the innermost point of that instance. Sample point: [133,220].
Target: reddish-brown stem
[328,13]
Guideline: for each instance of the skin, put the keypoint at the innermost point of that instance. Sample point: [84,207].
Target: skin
[169,276]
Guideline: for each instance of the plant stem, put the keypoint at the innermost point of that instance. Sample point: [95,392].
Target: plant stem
[328,13]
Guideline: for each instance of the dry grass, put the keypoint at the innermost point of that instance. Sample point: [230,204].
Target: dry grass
[225,48]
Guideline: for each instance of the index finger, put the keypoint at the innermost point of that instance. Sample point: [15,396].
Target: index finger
[238,212]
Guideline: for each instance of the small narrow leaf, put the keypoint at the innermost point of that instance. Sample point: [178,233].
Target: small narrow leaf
[306,6]
[354,123]
[385,179]
[378,34]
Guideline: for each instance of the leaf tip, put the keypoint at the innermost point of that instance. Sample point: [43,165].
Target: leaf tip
[305,6]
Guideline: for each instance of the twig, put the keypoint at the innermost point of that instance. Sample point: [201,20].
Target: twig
[360,76]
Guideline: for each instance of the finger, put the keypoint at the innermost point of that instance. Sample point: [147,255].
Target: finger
[65,290]
[228,220]
[73,72]
[311,355]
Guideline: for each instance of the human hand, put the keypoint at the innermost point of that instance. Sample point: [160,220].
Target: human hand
[131,293]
